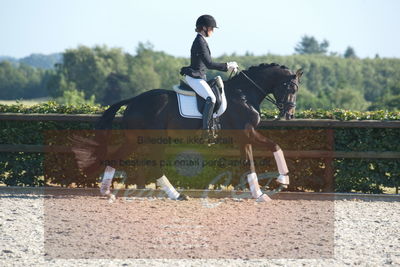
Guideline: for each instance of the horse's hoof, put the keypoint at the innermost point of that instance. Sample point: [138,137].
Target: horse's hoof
[105,189]
[111,198]
[283,179]
[105,192]
[263,198]
[183,197]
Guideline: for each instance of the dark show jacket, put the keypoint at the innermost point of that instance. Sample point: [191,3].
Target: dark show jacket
[200,60]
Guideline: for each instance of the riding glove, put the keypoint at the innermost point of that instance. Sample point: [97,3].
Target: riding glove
[233,66]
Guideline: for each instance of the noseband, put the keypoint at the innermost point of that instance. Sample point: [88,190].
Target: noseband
[281,104]
[288,104]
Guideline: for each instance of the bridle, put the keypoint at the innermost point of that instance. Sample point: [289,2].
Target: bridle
[281,103]
[284,103]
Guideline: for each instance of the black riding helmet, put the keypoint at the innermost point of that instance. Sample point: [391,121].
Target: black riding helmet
[206,21]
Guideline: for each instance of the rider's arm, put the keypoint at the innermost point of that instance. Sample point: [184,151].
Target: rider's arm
[205,55]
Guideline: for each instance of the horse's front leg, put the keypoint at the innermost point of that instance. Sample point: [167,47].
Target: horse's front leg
[258,139]
[252,177]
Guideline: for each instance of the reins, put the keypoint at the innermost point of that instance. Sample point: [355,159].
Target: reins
[269,98]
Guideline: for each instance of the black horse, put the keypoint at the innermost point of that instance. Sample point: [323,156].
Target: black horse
[158,109]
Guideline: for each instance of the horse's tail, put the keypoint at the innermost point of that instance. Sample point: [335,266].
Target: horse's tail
[105,121]
[92,153]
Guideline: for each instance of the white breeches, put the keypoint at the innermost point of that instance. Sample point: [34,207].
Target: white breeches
[201,87]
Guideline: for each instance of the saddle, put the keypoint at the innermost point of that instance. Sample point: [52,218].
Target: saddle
[216,85]
[188,98]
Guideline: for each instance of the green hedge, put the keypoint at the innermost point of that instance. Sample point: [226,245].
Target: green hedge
[361,175]
[339,114]
[26,169]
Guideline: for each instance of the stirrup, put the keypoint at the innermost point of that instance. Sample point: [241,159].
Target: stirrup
[209,136]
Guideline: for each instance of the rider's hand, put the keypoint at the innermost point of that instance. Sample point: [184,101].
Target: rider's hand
[233,66]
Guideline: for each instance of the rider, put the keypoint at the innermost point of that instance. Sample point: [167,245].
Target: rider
[200,61]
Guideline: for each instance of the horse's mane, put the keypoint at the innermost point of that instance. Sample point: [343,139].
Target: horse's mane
[257,69]
[266,66]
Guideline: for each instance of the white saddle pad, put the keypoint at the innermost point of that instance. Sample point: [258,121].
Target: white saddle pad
[188,106]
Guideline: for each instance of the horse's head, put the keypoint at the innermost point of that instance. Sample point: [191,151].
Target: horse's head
[285,94]
[277,80]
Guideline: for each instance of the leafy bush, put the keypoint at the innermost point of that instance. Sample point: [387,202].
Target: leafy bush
[338,114]
[75,97]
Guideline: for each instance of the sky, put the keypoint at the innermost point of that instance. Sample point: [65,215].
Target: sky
[258,26]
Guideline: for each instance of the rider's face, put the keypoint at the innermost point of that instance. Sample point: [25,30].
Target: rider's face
[208,31]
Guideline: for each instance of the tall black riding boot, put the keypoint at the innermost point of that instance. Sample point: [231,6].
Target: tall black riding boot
[207,113]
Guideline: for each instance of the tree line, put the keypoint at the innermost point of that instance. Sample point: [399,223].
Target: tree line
[105,75]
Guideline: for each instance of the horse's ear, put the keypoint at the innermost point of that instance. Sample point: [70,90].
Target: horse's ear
[299,73]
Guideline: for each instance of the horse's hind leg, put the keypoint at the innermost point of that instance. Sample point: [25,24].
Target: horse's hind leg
[106,182]
[252,178]
[120,153]
[163,182]
[169,189]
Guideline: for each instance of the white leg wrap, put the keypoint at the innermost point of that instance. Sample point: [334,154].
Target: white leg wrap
[107,179]
[167,187]
[283,177]
[281,162]
[253,184]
